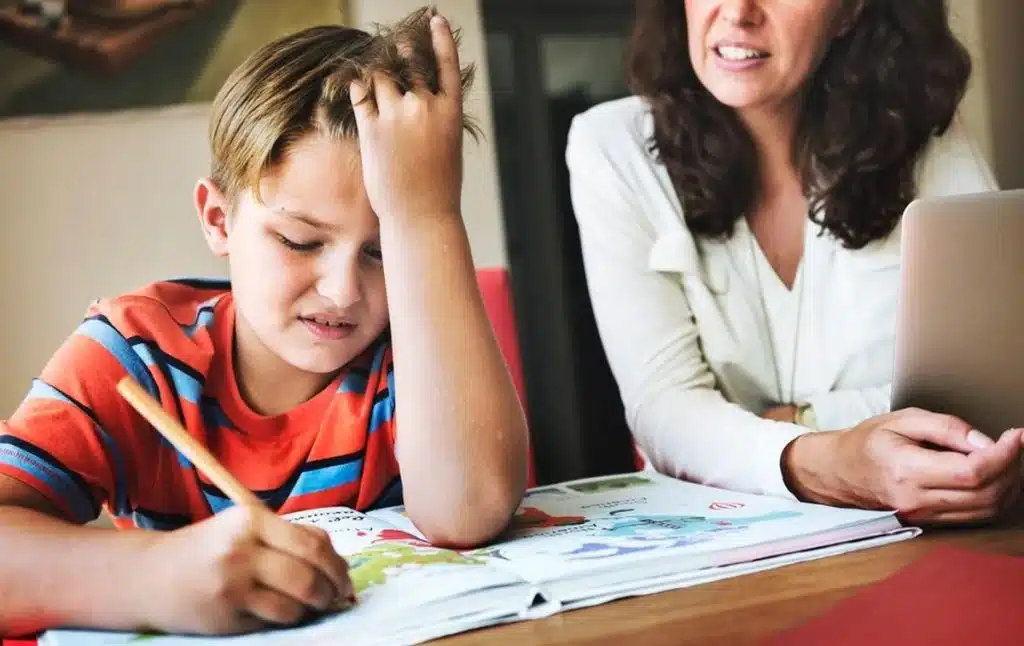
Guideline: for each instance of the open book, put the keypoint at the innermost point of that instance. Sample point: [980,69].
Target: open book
[570,545]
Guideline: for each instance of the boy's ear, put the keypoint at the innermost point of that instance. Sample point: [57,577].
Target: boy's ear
[213,208]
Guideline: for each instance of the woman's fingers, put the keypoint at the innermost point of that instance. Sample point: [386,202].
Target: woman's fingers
[944,431]
[926,468]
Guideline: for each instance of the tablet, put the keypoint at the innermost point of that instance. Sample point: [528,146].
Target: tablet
[960,330]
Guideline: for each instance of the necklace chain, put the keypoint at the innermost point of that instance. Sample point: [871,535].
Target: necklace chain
[783,398]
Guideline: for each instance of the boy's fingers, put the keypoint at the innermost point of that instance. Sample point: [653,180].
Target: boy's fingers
[385,92]
[416,68]
[357,94]
[449,75]
[273,607]
[313,546]
[361,106]
[334,566]
[293,577]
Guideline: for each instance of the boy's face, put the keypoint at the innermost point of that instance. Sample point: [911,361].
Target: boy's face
[305,262]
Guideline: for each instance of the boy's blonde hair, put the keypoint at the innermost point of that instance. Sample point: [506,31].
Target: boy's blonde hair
[299,84]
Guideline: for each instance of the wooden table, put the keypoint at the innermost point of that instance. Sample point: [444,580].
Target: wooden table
[742,610]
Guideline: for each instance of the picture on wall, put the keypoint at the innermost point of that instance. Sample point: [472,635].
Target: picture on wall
[74,56]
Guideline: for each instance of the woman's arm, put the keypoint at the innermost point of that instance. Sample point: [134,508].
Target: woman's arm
[687,428]
[684,425]
[462,439]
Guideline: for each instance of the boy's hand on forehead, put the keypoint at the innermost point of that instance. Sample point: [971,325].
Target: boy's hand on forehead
[411,144]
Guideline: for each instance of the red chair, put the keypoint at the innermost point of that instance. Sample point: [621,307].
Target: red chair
[497,297]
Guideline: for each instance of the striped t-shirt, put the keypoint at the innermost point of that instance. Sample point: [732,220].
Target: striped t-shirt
[79,443]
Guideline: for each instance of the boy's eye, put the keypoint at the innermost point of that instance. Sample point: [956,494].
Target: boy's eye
[298,246]
[373,251]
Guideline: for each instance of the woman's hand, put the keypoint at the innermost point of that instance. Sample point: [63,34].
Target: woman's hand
[930,468]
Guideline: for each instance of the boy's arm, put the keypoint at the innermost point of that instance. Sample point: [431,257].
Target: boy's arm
[60,461]
[462,443]
[62,573]
[242,569]
[71,446]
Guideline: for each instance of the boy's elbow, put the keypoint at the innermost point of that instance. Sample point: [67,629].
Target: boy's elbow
[465,522]
[466,507]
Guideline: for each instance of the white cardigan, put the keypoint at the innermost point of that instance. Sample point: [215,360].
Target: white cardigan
[684,325]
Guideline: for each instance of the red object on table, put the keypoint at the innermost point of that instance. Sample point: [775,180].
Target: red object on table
[949,597]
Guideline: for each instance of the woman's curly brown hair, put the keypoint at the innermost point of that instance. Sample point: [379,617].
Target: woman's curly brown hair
[883,90]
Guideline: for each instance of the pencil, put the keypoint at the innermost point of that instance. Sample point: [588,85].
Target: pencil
[167,426]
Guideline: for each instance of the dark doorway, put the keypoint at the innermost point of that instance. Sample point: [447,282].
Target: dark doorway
[548,61]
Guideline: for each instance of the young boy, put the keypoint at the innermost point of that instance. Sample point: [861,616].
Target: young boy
[336,174]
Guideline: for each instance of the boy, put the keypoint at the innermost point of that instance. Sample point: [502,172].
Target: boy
[336,173]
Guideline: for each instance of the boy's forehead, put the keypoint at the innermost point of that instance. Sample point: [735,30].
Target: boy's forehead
[318,154]
[316,173]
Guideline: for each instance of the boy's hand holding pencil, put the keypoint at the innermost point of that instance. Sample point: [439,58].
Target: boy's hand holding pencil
[243,568]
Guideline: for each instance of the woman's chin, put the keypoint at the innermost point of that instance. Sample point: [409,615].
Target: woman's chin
[738,98]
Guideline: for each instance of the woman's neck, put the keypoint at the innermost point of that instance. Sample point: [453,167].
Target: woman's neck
[778,216]
[774,134]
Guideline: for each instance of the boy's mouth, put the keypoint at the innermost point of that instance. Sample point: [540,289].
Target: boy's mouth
[329,328]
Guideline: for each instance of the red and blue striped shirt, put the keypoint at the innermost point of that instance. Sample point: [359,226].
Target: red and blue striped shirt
[77,441]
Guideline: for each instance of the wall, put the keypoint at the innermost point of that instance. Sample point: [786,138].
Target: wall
[190,62]
[995,97]
[481,197]
[966,19]
[93,205]
[1003,48]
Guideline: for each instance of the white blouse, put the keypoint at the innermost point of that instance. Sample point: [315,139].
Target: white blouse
[702,336]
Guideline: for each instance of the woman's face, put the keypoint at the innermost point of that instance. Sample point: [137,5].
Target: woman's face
[757,54]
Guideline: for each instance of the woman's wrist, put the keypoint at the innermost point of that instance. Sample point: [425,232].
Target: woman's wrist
[808,467]
[804,416]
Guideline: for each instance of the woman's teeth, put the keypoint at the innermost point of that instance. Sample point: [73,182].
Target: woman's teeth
[733,53]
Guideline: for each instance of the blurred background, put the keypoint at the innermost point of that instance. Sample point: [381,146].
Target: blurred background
[103,135]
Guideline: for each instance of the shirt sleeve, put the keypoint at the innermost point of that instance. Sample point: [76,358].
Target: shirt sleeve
[685,426]
[845,408]
[954,165]
[68,436]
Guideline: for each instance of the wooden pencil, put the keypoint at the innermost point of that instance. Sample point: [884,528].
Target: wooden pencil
[167,426]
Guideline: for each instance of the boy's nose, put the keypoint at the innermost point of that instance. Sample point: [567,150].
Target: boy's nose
[341,287]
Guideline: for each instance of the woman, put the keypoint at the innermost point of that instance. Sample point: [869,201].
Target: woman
[739,221]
